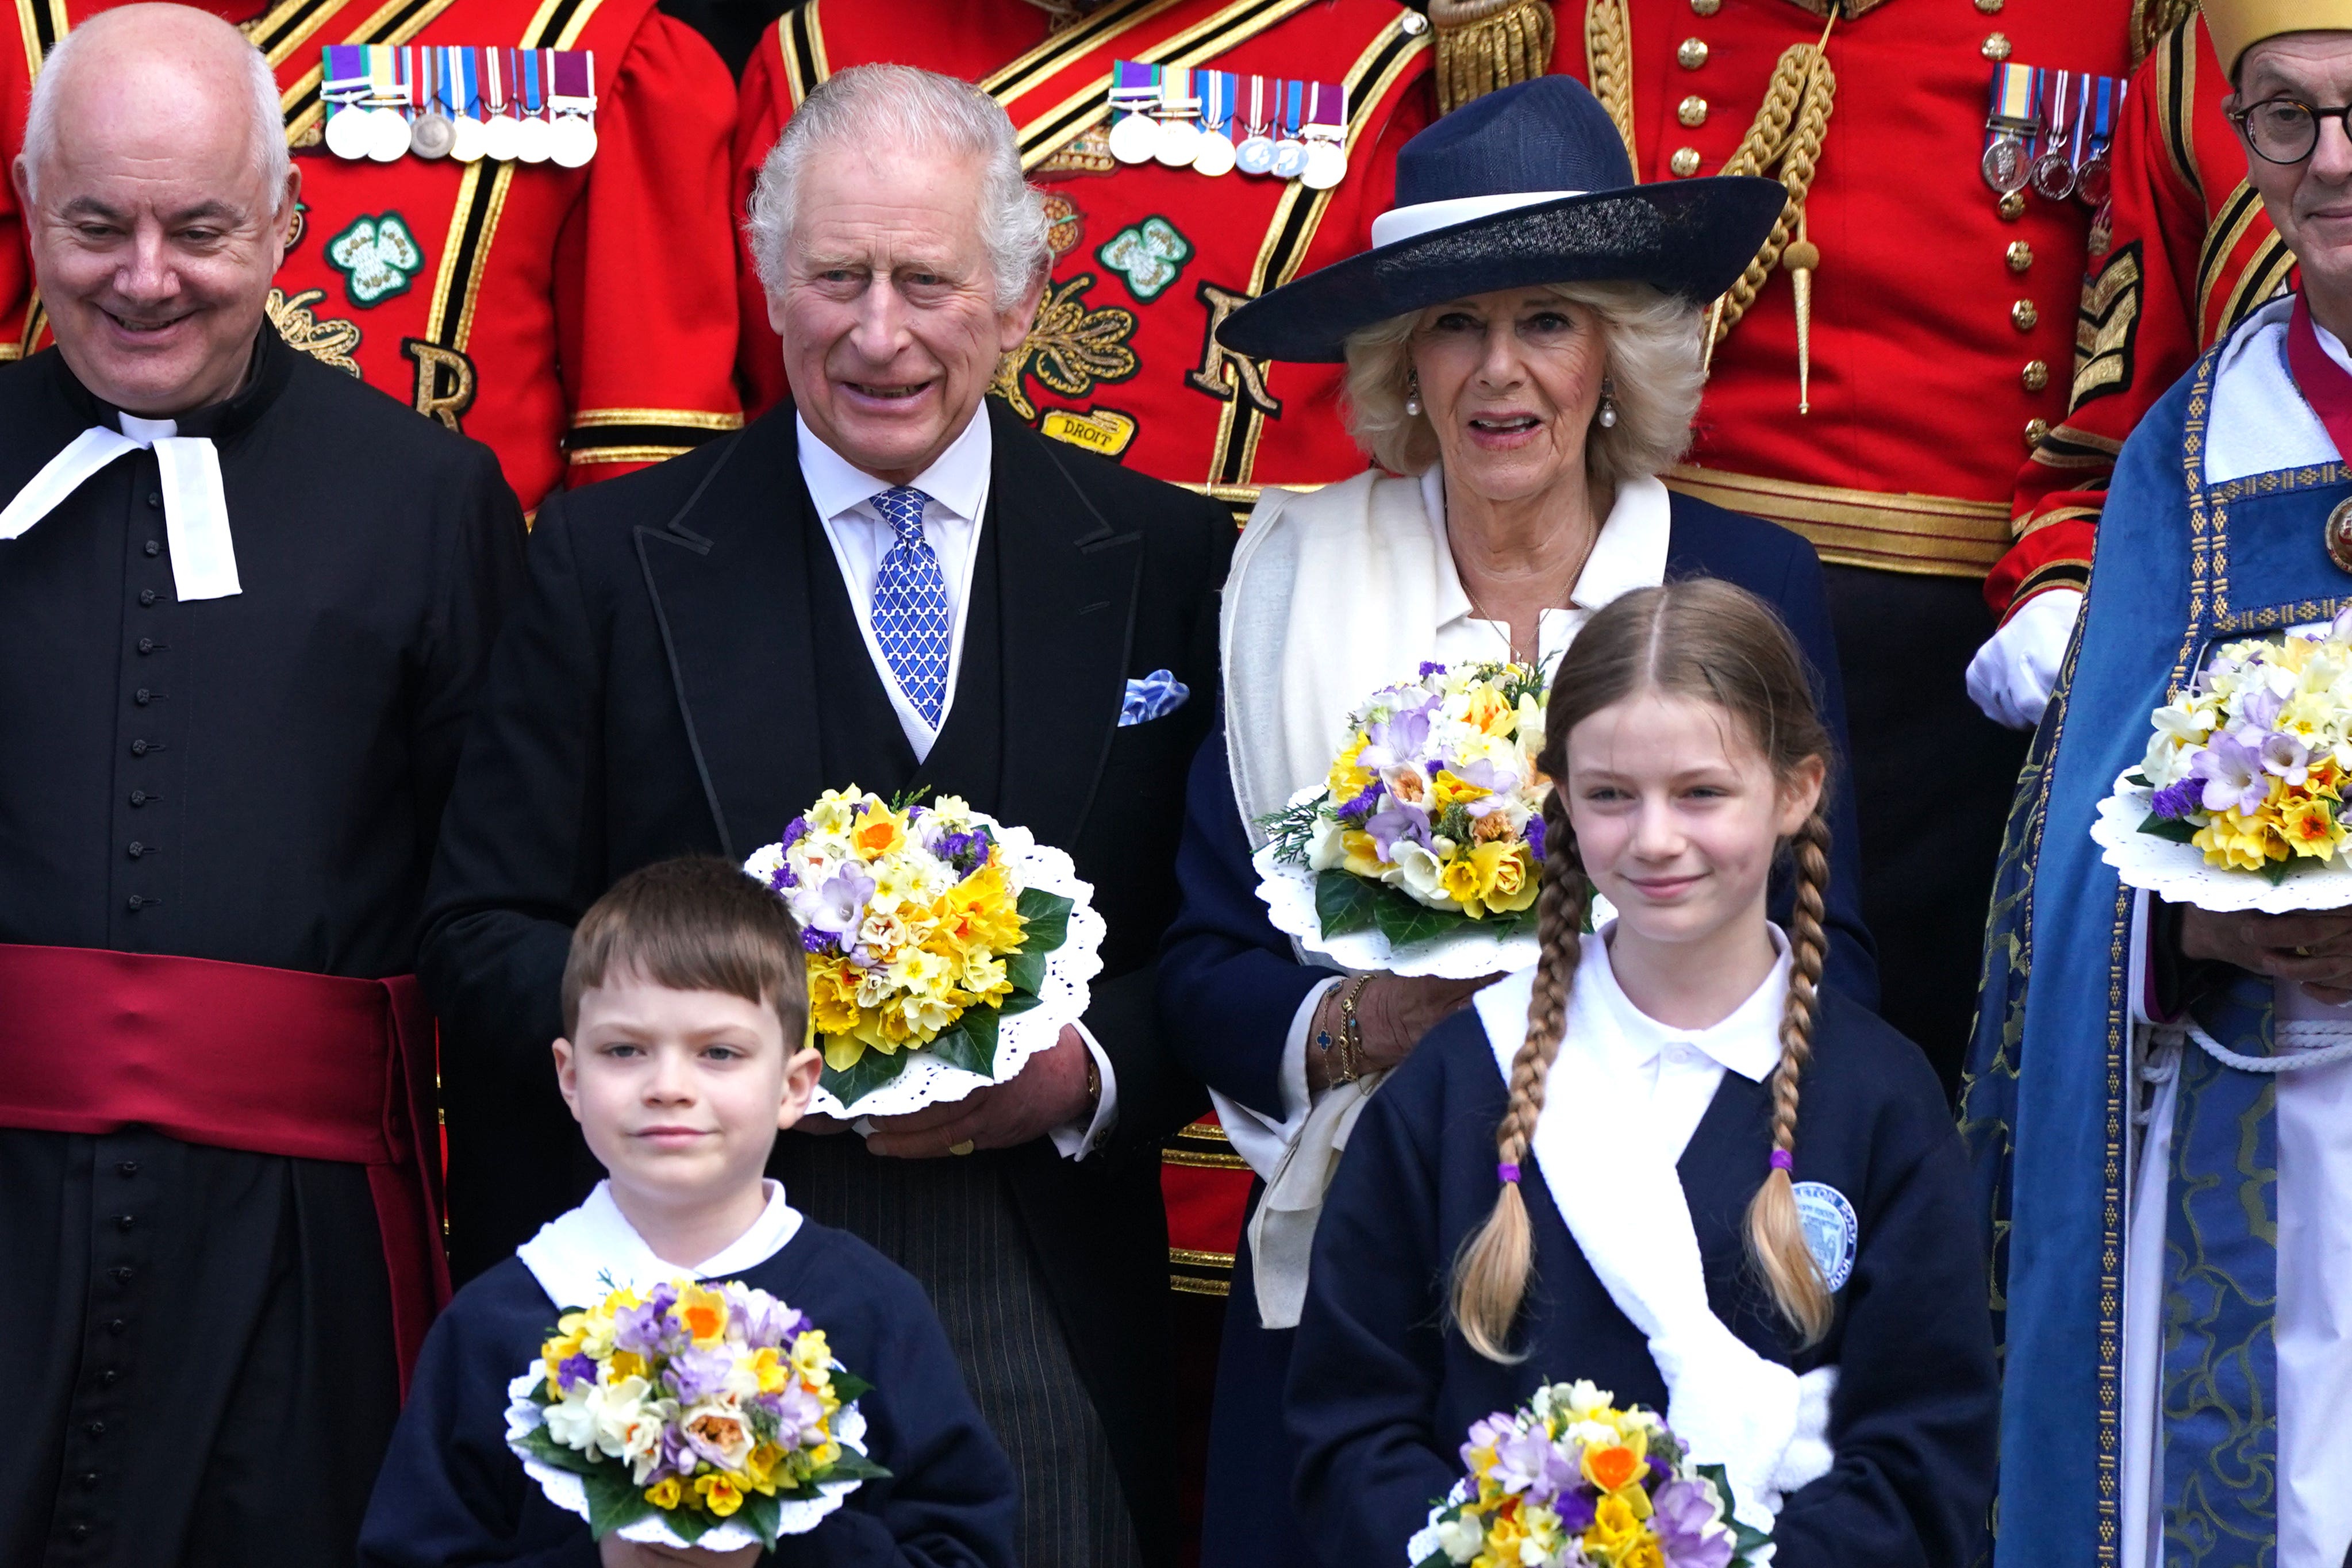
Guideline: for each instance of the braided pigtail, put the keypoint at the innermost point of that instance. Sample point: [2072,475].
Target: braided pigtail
[1490,1273]
[1775,1238]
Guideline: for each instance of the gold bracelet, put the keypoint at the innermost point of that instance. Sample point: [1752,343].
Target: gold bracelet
[1352,1032]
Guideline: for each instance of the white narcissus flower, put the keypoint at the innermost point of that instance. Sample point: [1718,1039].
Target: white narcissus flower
[1417,871]
[571,1421]
[1324,850]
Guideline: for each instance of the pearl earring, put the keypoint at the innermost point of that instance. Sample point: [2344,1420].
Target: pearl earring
[1412,395]
[1608,404]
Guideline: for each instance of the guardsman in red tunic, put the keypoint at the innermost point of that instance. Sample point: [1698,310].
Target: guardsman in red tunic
[1148,258]
[1878,377]
[568,318]
[2189,254]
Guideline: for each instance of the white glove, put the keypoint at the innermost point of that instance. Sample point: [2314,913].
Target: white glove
[2012,675]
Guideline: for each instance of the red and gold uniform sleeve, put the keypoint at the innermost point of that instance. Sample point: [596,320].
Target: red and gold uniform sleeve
[18,52]
[2189,253]
[644,268]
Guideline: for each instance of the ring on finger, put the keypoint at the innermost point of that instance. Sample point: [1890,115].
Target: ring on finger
[963,1147]
[2303,953]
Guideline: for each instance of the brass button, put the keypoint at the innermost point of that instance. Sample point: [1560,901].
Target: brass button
[2019,256]
[1692,110]
[2012,205]
[2035,375]
[1990,7]
[1707,7]
[1684,162]
[1692,54]
[2022,315]
[1414,22]
[2035,429]
[1995,47]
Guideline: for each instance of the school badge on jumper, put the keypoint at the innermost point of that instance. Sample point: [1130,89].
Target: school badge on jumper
[1832,1233]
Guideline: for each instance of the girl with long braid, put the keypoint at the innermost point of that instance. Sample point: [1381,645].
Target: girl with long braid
[1668,1159]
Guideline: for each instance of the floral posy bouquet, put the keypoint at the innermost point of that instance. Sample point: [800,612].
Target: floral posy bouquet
[694,1413]
[1571,1481]
[2243,785]
[1420,852]
[944,949]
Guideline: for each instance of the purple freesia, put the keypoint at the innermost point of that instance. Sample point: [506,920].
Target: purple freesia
[641,1329]
[1682,1511]
[1485,776]
[797,1413]
[1398,822]
[1535,839]
[767,1322]
[696,1375]
[2177,799]
[1487,1432]
[2257,710]
[575,1369]
[2231,773]
[2285,757]
[838,904]
[1399,738]
[1356,810]
[1527,1462]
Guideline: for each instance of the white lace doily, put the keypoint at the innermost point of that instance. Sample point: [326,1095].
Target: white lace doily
[2178,873]
[566,1491]
[1061,1000]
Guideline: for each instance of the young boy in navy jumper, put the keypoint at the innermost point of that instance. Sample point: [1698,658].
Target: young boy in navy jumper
[685,1010]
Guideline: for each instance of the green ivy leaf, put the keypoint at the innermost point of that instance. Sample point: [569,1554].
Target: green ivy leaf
[1404,920]
[958,1046]
[763,1516]
[863,1076]
[2274,871]
[1344,903]
[848,1387]
[2139,778]
[548,1451]
[854,1466]
[1027,970]
[2178,829]
[1044,920]
[614,1502]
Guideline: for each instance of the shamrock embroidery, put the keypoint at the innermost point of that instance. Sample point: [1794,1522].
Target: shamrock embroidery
[377,258]
[1149,256]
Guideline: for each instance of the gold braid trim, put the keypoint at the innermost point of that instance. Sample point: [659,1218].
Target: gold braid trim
[1784,141]
[1483,45]
[1607,61]
[2151,19]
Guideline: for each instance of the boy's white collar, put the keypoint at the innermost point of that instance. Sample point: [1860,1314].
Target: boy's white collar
[580,1256]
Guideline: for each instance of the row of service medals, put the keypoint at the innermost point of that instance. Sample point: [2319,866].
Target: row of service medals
[532,106]
[1215,123]
[2050,130]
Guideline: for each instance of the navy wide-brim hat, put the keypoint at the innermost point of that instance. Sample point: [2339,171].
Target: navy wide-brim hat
[1524,186]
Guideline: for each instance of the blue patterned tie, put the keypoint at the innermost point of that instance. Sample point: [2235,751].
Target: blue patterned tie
[912,617]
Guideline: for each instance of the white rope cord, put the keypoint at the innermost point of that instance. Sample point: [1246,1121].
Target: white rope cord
[2303,1043]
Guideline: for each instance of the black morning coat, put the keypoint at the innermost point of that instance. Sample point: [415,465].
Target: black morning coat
[1383,1388]
[204,1366]
[452,1492]
[686,674]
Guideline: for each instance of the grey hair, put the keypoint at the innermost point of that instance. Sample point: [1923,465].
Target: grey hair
[904,106]
[1651,340]
[261,86]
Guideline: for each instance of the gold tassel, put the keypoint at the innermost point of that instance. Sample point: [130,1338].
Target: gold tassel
[2151,19]
[1800,259]
[1483,45]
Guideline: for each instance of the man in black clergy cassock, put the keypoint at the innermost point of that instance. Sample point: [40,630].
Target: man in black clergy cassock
[245,602]
[889,581]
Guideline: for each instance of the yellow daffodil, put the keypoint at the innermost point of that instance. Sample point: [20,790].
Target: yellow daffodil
[701,1312]
[664,1493]
[626,1364]
[2309,827]
[1488,711]
[877,832]
[833,995]
[1614,1528]
[2244,844]
[718,1493]
[812,1356]
[1361,854]
[1461,882]
[1507,875]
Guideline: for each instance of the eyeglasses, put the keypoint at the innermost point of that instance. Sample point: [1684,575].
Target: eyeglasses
[2284,130]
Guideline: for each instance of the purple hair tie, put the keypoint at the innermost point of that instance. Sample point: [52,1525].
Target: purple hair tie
[1507,1173]
[1783,1160]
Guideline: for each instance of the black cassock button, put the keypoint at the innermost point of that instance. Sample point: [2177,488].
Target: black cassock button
[115,1325]
[122,1274]
[137,849]
[137,902]
[89,1478]
[127,1168]
[141,697]
[138,797]
[146,596]
[109,1378]
[155,498]
[80,1532]
[125,1221]
[155,547]
[96,1428]
[146,645]
[138,748]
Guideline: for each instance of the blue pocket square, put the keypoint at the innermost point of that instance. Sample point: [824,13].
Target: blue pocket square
[1155,696]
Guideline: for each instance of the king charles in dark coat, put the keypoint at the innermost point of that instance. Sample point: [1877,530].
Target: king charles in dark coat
[893,583]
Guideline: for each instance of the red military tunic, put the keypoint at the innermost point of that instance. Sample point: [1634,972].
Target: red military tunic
[1121,360]
[2190,254]
[570,319]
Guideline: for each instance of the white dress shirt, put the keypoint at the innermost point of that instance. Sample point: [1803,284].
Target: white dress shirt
[1629,554]
[957,482]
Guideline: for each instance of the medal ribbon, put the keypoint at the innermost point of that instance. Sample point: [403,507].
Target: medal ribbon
[1257,122]
[383,84]
[494,88]
[465,83]
[345,78]
[1293,92]
[2082,115]
[572,73]
[530,84]
[2012,110]
[2325,385]
[1328,117]
[1215,89]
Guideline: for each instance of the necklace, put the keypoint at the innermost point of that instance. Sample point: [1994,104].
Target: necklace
[1564,592]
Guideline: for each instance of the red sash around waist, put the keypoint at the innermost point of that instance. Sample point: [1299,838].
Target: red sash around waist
[271,1061]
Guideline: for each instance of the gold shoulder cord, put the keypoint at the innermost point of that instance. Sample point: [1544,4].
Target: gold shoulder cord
[1783,141]
[1483,45]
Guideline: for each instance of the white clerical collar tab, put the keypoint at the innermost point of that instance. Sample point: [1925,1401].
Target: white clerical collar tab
[196,509]
[1411,222]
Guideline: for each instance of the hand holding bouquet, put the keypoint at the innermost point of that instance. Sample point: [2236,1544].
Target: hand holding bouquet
[2242,786]
[694,1414]
[1571,1481]
[1420,852]
[944,949]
